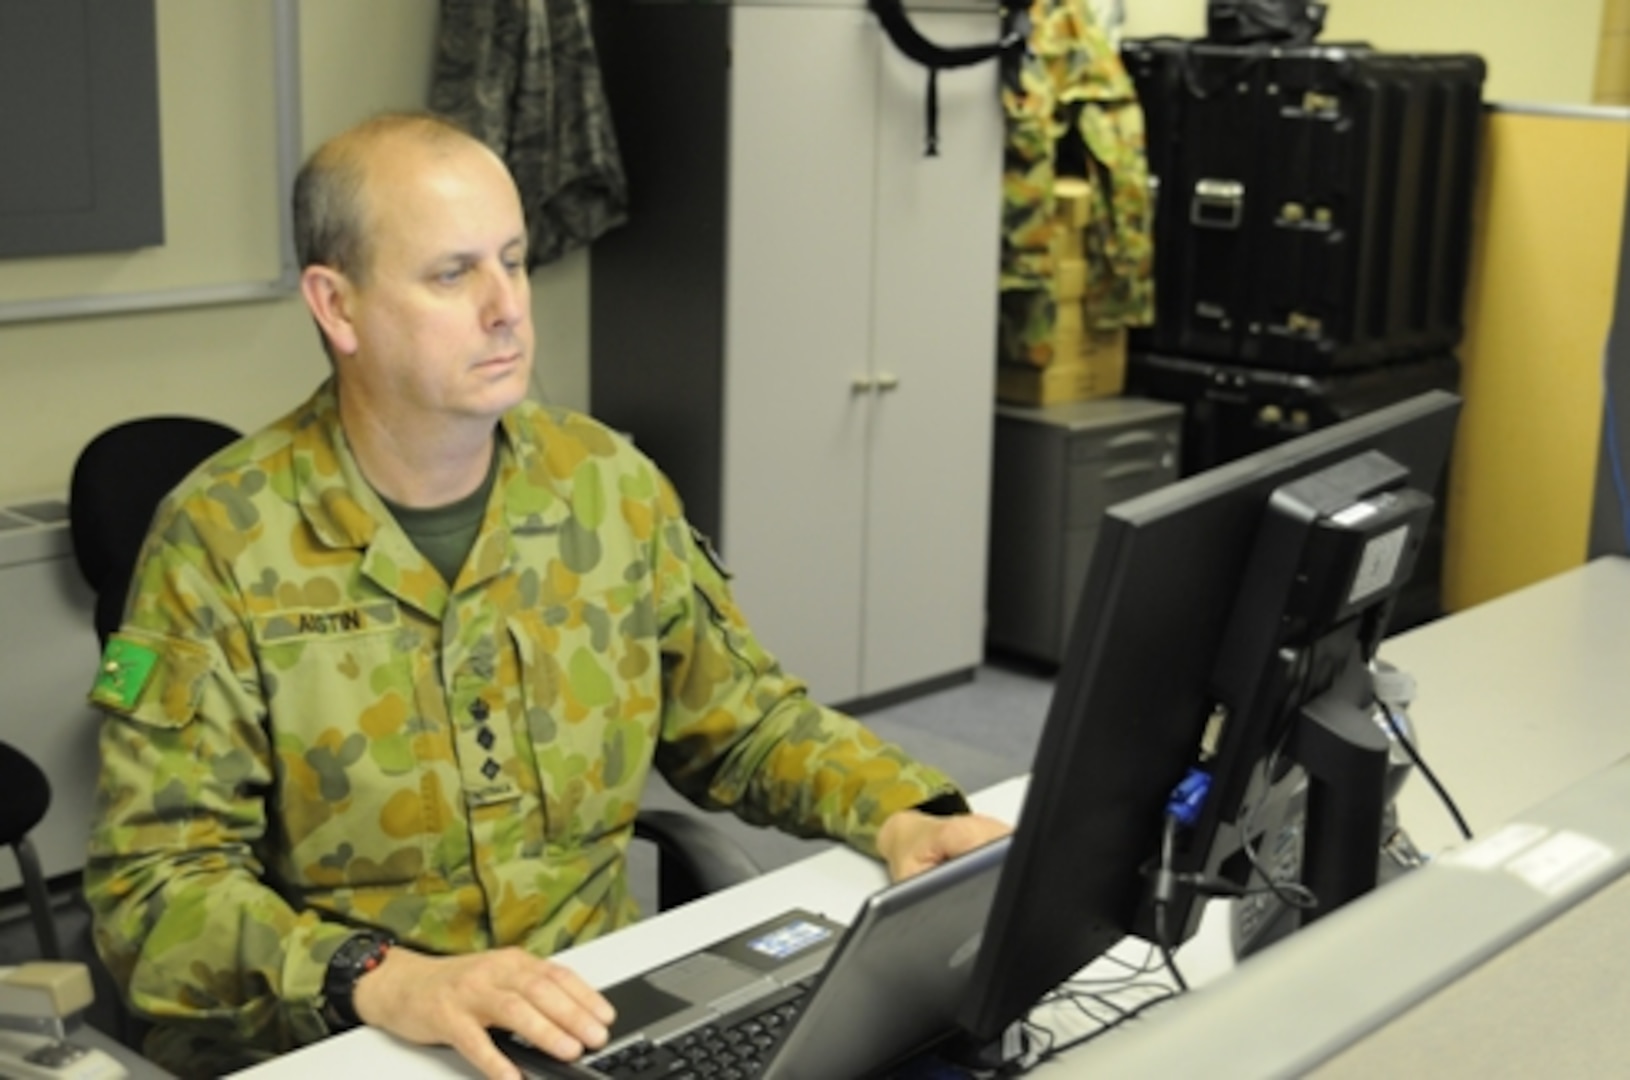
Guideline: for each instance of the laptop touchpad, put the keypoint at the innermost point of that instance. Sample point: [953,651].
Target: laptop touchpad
[639,1005]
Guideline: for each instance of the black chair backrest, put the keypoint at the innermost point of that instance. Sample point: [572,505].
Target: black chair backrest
[118,481]
[28,794]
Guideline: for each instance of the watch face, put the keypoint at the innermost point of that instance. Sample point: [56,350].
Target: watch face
[355,956]
[354,950]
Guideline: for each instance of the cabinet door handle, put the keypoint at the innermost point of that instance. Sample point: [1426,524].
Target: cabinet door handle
[861,384]
[1132,438]
[887,381]
[1131,468]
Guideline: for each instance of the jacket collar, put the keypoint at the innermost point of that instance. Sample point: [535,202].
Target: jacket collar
[344,511]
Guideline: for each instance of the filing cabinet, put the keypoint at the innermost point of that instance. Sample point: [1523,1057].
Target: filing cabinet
[1056,470]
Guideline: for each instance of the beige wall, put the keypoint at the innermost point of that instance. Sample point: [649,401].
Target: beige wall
[1537,50]
[61,381]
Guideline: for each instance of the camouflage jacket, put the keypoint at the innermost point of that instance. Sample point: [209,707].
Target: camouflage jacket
[523,77]
[1069,96]
[307,728]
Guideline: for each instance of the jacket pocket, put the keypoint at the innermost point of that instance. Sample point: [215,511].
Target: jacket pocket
[591,680]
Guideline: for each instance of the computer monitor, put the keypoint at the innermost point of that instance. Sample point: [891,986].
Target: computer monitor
[1225,627]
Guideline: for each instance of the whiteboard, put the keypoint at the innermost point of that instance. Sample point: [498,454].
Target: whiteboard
[230,134]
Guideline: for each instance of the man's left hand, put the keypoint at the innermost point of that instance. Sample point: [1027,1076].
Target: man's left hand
[911,841]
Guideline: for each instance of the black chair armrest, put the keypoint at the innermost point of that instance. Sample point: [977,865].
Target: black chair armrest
[694,858]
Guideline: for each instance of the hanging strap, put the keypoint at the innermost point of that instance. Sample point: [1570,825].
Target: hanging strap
[897,25]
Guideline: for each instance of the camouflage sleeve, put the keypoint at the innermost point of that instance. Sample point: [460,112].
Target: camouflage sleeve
[739,733]
[173,877]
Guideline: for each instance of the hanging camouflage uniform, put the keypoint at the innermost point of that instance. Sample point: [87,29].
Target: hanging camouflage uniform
[1067,96]
[521,75]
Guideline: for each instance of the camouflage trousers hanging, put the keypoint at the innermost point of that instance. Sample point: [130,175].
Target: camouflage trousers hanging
[1069,99]
[522,76]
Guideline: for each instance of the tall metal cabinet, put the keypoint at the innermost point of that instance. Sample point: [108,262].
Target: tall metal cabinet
[798,321]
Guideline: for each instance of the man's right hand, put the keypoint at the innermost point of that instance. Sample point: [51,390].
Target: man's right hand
[453,1000]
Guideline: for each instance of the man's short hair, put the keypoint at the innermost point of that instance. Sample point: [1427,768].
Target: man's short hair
[330,213]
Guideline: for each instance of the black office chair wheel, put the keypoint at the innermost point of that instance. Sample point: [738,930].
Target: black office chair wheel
[28,797]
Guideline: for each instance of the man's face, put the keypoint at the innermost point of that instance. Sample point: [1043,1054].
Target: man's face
[442,319]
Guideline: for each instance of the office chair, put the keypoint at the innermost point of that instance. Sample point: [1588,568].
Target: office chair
[117,483]
[28,797]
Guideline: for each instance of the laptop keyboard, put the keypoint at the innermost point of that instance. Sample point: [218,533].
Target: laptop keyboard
[736,1047]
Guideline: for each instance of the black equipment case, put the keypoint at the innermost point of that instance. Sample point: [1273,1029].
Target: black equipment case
[1230,410]
[1314,202]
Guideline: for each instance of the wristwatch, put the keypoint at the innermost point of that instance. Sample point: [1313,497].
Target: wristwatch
[949,804]
[357,955]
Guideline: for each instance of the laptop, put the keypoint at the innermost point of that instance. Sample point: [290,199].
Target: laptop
[800,997]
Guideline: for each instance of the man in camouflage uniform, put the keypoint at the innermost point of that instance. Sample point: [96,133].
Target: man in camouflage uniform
[402,661]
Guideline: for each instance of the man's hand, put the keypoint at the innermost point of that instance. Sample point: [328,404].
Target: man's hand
[453,1000]
[911,841]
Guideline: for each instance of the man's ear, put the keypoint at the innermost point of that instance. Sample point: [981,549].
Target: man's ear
[327,293]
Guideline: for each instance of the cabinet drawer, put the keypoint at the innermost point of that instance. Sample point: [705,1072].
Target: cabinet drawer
[1118,468]
[1144,442]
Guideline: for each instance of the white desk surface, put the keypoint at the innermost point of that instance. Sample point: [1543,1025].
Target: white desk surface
[1518,698]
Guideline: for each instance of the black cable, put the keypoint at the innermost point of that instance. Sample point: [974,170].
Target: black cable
[1041,1042]
[1420,763]
[1293,893]
[1083,1000]
[1163,941]
[1147,966]
[1129,1014]
[1290,893]
[1037,1037]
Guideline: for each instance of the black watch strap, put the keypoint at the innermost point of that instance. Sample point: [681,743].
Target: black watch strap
[949,804]
[357,955]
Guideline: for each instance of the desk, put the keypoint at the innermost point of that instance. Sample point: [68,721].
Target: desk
[1519,699]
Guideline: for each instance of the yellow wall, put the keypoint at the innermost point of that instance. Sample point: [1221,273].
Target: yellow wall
[1537,50]
[62,381]
[1538,309]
